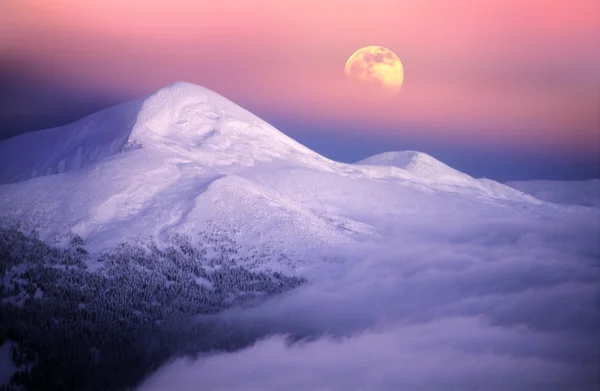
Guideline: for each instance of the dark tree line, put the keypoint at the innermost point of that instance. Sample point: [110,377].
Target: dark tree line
[72,328]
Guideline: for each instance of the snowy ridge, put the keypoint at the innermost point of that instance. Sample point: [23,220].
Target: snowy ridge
[185,158]
[68,147]
[584,193]
[427,169]
[164,164]
[419,164]
[185,119]
[181,120]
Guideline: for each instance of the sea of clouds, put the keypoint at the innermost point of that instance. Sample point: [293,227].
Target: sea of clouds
[503,303]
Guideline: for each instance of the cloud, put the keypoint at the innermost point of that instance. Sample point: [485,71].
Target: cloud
[453,353]
[492,304]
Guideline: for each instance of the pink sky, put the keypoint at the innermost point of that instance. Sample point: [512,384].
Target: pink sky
[523,72]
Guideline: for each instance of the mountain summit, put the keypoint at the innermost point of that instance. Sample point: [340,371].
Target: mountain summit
[419,164]
[187,161]
[183,120]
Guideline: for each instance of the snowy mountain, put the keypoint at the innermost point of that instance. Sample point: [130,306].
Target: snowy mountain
[426,169]
[147,166]
[185,157]
[584,193]
[183,120]
[120,231]
[419,164]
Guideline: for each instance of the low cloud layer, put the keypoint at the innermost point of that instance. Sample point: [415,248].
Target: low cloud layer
[499,304]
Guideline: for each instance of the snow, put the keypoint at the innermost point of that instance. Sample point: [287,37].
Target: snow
[421,167]
[186,159]
[419,164]
[584,193]
[69,147]
[408,260]
[180,120]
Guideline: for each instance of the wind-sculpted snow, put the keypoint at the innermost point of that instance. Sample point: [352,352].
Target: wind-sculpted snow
[185,122]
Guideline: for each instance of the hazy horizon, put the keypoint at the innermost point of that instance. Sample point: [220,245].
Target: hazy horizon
[502,89]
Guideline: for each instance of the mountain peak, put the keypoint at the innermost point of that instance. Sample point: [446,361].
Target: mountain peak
[182,119]
[400,159]
[417,163]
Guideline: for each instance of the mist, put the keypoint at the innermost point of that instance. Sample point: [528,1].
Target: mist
[499,303]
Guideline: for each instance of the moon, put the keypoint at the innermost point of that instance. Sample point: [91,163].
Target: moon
[377,71]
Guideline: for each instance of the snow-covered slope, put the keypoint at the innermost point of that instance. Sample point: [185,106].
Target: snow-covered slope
[180,120]
[67,147]
[425,168]
[185,159]
[584,193]
[419,164]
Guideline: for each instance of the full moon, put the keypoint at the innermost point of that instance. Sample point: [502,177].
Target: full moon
[377,71]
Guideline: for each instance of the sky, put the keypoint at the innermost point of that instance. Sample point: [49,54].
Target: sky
[507,89]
